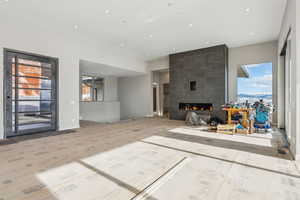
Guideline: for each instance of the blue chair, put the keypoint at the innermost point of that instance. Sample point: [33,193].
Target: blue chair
[262,118]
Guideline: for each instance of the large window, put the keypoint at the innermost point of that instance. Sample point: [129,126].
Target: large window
[92,88]
[258,86]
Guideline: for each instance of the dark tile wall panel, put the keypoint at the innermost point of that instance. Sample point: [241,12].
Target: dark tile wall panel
[208,67]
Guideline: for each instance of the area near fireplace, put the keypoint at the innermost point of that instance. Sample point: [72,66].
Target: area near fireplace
[198,81]
[196,107]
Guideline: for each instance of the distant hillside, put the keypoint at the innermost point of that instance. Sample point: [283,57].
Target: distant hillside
[254,98]
[267,96]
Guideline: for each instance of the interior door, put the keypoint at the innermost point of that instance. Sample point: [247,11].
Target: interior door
[30,93]
[154,99]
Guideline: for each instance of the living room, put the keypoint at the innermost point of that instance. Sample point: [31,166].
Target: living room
[130,100]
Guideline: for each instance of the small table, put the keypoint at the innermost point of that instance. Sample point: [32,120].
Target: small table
[244,111]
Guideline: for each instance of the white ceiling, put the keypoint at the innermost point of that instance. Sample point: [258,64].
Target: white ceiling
[154,28]
[91,68]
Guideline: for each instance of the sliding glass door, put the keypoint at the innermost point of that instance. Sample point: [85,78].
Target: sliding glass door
[288,87]
[30,93]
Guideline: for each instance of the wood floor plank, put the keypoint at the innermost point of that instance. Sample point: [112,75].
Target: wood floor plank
[103,156]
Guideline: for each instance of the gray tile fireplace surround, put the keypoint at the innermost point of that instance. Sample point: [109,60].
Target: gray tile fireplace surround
[199,76]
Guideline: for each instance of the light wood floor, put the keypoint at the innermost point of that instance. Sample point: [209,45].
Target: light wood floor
[24,159]
[28,155]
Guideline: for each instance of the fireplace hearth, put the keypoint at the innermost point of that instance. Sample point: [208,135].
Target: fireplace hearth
[196,107]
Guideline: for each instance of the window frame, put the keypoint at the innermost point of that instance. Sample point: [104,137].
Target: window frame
[94,97]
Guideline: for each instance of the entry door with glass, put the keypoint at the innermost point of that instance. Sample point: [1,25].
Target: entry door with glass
[30,93]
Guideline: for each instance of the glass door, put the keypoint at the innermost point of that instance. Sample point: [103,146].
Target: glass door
[288,88]
[30,92]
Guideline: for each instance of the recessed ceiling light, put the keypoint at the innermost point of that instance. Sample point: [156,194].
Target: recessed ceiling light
[191,25]
[247,10]
[252,33]
[150,36]
[107,11]
[122,45]
[76,27]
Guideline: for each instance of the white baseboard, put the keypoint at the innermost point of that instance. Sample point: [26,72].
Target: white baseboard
[70,128]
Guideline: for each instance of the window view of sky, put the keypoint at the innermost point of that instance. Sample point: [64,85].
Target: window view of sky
[258,85]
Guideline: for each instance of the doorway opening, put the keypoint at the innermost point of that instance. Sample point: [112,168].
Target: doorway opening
[154,99]
[160,94]
[30,93]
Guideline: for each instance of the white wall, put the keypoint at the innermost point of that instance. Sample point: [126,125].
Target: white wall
[292,21]
[111,88]
[1,97]
[100,111]
[106,111]
[298,80]
[161,63]
[69,48]
[252,54]
[135,95]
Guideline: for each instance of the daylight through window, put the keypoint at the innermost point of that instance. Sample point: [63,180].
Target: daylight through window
[92,88]
[258,85]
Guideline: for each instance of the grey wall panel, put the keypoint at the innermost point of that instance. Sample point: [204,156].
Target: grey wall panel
[208,67]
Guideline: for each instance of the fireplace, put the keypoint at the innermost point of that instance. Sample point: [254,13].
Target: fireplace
[198,82]
[196,107]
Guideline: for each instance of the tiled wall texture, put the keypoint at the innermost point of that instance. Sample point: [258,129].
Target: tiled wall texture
[208,67]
